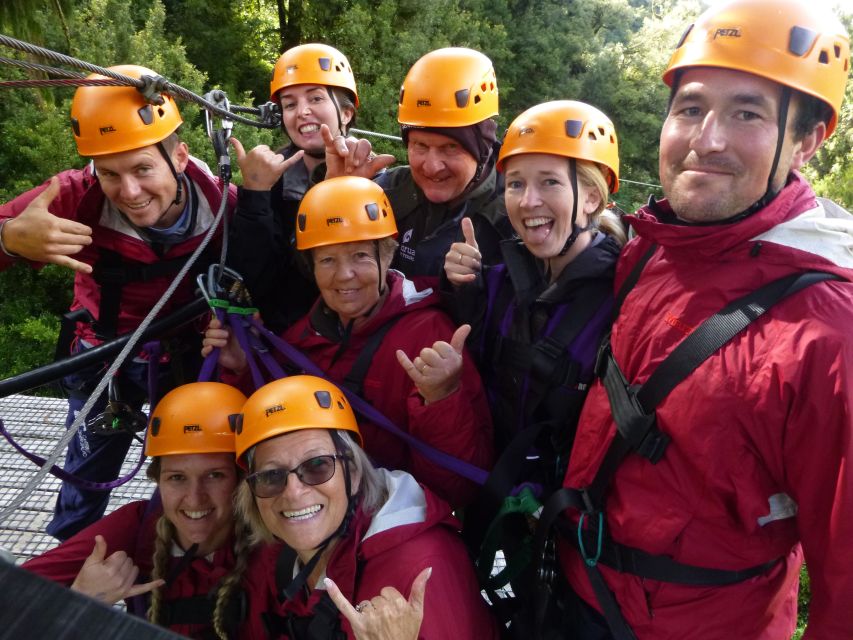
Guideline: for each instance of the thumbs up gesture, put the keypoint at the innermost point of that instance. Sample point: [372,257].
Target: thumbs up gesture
[437,370]
[463,262]
[36,234]
[110,578]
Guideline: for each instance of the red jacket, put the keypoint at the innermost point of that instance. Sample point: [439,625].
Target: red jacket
[762,434]
[459,424]
[81,199]
[412,531]
[131,530]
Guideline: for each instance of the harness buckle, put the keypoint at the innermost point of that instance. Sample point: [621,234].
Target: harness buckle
[602,358]
[653,445]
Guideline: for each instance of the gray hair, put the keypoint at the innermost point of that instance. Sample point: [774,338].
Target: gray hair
[370,489]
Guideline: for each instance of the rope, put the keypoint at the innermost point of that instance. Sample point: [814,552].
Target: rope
[375,134]
[146,86]
[36,480]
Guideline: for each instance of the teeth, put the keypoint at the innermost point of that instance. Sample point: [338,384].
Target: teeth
[309,128]
[302,514]
[139,206]
[536,222]
[197,515]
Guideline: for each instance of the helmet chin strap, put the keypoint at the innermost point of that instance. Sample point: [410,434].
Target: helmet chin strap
[576,230]
[178,176]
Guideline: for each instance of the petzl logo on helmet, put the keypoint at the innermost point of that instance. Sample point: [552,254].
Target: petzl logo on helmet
[525,131]
[273,409]
[336,220]
[292,68]
[731,32]
[424,103]
[190,428]
[107,129]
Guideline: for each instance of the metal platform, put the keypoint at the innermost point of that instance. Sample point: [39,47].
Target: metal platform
[37,424]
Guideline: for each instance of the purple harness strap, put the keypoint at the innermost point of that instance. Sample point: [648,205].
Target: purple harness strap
[69,477]
[460,467]
[153,350]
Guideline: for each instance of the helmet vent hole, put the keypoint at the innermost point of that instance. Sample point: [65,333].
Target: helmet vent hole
[837,49]
[591,135]
[341,405]
[155,427]
[146,114]
[461,98]
[301,220]
[402,91]
[75,124]
[612,139]
[324,399]
[823,58]
[574,128]
[160,112]
[801,41]
[325,63]
[684,36]
[601,132]
[476,99]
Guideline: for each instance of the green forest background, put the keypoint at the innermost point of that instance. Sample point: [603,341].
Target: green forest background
[610,53]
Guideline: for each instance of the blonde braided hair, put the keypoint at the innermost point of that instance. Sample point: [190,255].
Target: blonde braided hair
[162,545]
[242,550]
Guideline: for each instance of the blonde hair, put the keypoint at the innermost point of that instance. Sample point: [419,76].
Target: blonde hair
[371,490]
[592,176]
[166,535]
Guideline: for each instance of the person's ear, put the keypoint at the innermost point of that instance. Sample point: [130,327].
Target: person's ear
[805,149]
[181,157]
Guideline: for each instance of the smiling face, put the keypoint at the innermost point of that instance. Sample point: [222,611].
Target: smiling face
[141,185]
[304,107]
[197,490]
[440,166]
[347,276]
[718,141]
[539,202]
[303,516]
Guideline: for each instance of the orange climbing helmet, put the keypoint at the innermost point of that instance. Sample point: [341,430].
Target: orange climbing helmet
[313,64]
[343,209]
[565,128]
[114,119]
[194,418]
[787,41]
[292,404]
[451,87]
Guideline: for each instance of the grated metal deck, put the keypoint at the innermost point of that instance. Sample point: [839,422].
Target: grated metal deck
[37,424]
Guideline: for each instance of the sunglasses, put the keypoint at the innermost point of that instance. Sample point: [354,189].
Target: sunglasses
[313,471]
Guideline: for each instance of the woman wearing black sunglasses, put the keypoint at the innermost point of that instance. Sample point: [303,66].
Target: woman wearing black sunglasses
[353,534]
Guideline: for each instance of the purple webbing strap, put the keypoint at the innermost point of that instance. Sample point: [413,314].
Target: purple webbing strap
[63,475]
[460,467]
[234,319]
[209,364]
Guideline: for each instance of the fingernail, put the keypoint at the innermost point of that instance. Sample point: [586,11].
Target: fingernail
[429,574]
[328,582]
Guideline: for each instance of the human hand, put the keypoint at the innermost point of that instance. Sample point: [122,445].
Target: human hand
[231,355]
[463,261]
[110,579]
[36,234]
[352,156]
[436,371]
[388,616]
[262,167]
